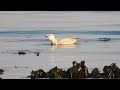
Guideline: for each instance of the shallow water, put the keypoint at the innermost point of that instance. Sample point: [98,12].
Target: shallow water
[95,53]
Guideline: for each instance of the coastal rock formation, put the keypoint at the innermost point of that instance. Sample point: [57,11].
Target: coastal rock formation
[77,71]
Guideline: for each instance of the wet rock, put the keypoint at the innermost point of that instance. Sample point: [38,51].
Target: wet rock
[21,53]
[77,71]
[37,74]
[96,73]
[74,63]
[84,69]
[111,71]
[56,73]
[1,71]
[37,54]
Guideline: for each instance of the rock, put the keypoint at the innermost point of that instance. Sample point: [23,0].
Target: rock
[1,71]
[104,39]
[21,53]
[77,71]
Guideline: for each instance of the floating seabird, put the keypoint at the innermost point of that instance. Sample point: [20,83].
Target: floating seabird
[55,41]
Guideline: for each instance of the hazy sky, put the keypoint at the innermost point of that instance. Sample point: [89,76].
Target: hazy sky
[59,20]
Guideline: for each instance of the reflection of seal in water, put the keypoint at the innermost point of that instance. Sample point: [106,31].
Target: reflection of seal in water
[65,41]
[63,46]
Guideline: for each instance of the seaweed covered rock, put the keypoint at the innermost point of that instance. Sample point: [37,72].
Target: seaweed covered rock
[111,71]
[77,71]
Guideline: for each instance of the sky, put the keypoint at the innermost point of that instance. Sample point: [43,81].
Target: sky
[59,20]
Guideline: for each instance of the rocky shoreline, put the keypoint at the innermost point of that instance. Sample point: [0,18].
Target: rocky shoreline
[77,71]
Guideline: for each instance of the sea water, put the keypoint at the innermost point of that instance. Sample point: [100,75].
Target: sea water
[25,31]
[95,53]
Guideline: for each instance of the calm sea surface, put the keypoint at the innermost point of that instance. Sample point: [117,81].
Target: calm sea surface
[95,53]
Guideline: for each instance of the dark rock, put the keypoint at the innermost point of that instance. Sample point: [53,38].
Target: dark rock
[37,54]
[77,71]
[1,71]
[111,71]
[37,74]
[96,73]
[21,53]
